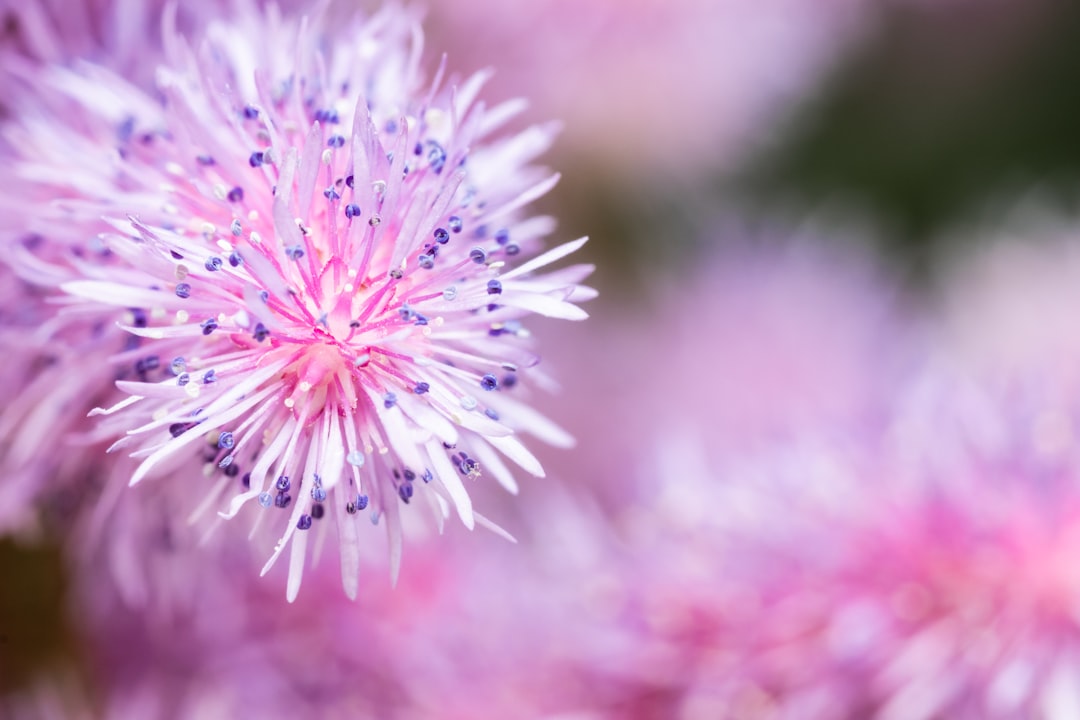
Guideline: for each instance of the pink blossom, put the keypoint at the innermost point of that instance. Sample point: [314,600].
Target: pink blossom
[916,566]
[315,262]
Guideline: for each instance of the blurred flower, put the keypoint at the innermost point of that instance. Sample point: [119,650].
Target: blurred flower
[663,90]
[917,566]
[765,341]
[119,34]
[314,263]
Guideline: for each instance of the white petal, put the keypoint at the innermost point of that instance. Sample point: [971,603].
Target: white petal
[110,293]
[447,474]
[512,448]
[350,552]
[499,115]
[126,402]
[527,419]
[492,464]
[168,389]
[552,255]
[536,191]
[543,305]
[296,564]
[486,523]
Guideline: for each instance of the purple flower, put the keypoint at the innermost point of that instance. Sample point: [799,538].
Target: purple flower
[294,250]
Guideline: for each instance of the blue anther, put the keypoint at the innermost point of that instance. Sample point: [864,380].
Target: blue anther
[436,156]
[178,429]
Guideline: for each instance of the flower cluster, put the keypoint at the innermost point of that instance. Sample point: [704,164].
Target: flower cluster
[307,271]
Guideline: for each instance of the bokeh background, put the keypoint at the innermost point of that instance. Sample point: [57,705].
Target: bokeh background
[807,217]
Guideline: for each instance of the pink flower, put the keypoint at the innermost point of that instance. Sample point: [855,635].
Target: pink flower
[658,91]
[765,341]
[318,261]
[919,565]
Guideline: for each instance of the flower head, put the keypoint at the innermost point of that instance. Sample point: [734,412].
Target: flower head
[317,256]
